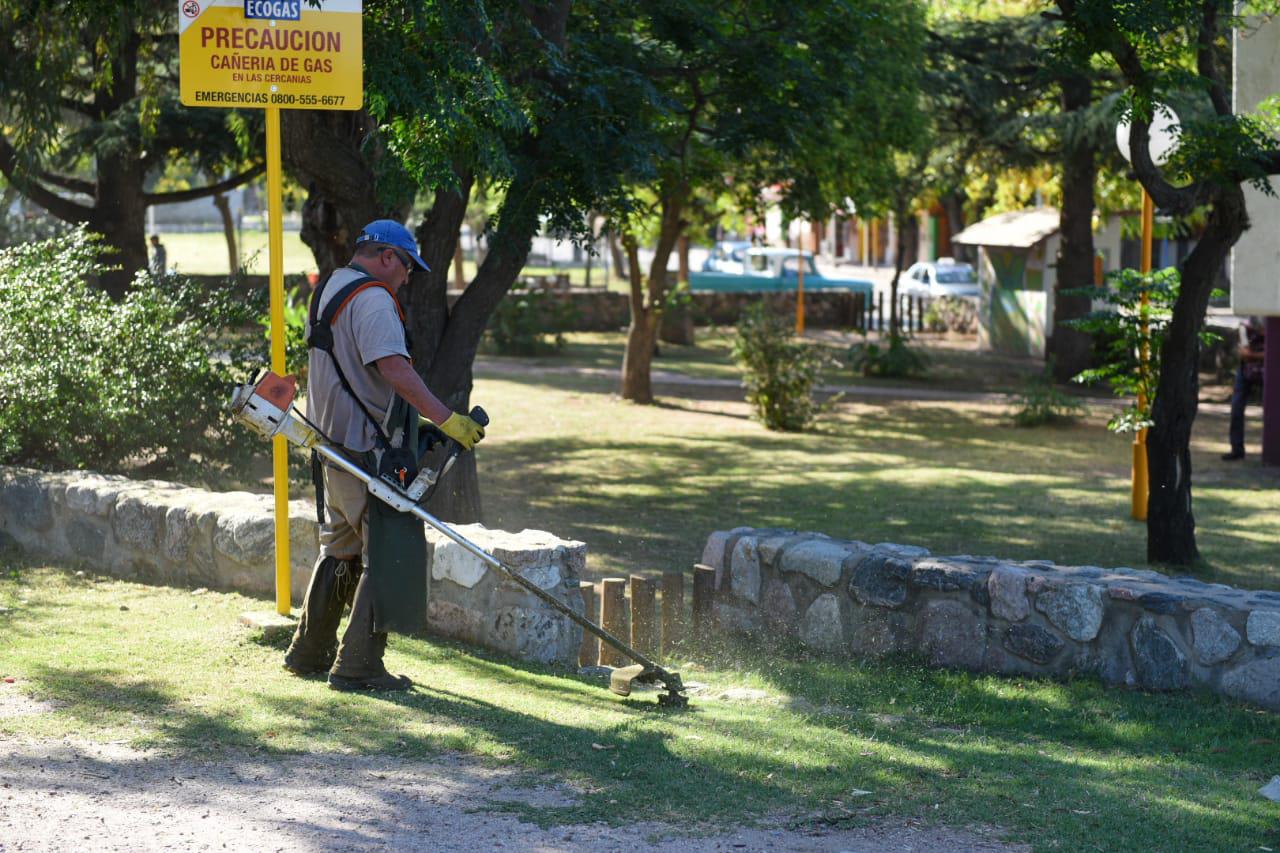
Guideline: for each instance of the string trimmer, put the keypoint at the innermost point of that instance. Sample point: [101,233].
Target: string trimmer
[267,408]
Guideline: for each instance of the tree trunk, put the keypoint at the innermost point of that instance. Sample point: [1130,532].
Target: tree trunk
[1171,526]
[333,153]
[647,298]
[1070,349]
[895,322]
[637,359]
[615,251]
[120,215]
[228,230]
[459,276]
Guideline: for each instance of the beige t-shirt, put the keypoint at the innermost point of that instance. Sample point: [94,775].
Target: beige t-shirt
[367,329]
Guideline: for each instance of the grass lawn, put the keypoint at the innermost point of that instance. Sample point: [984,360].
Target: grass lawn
[205,253]
[834,743]
[644,485]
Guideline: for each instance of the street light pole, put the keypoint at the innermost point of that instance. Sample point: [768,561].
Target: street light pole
[1161,142]
[1140,490]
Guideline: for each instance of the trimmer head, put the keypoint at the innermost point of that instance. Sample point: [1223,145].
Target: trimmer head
[621,679]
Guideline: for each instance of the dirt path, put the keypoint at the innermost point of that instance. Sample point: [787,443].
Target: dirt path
[85,796]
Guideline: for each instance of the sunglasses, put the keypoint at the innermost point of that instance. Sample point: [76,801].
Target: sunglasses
[405,261]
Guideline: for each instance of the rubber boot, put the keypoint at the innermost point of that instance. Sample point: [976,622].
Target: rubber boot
[359,662]
[315,642]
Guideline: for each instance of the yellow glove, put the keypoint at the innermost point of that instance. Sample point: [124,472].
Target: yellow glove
[463,430]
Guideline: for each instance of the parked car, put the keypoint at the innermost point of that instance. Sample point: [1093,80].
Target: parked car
[774,269]
[726,256]
[945,277]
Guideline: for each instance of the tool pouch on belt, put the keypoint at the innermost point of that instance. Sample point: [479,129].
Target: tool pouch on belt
[397,544]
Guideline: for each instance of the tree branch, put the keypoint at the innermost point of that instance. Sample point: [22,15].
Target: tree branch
[1207,62]
[75,185]
[205,192]
[64,209]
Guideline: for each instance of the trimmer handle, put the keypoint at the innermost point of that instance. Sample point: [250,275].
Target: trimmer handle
[479,415]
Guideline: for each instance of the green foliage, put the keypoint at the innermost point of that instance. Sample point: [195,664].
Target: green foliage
[530,321]
[1128,325]
[779,372]
[897,360]
[951,314]
[1041,402]
[89,382]
[296,353]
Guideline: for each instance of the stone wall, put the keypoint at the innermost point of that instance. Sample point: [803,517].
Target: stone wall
[163,533]
[1129,627]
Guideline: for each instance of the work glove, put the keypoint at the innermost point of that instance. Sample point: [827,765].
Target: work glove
[463,430]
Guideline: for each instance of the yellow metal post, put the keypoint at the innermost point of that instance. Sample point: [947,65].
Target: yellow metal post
[1141,486]
[279,445]
[800,291]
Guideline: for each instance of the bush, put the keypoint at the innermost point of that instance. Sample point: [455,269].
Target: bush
[952,314]
[779,372]
[297,302]
[529,322]
[89,382]
[897,360]
[1042,402]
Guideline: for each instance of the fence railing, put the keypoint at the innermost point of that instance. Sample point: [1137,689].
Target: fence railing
[872,314]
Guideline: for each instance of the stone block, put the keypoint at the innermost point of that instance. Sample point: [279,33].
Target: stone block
[778,607]
[715,552]
[952,634]
[822,626]
[449,619]
[1213,637]
[94,494]
[737,619]
[86,539]
[880,579]
[944,575]
[1163,603]
[1036,644]
[876,632]
[137,520]
[823,561]
[1073,608]
[744,569]
[1257,682]
[1263,627]
[245,536]
[773,545]
[451,562]
[534,634]
[25,500]
[1159,663]
[1007,586]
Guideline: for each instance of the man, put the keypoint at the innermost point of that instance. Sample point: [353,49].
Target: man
[1248,377]
[159,257]
[365,396]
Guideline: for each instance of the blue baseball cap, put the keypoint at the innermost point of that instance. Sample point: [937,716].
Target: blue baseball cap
[393,234]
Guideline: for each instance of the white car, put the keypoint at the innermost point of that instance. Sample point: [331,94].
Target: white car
[727,256]
[945,277]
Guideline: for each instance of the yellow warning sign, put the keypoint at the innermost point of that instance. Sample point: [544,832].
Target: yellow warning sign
[271,53]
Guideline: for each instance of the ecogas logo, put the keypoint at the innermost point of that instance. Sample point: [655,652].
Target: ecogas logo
[278,10]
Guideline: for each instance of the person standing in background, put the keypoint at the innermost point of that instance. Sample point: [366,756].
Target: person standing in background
[1251,346]
[159,257]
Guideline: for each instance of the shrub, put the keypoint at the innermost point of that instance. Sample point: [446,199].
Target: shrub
[952,314]
[779,372]
[896,360]
[529,321]
[1123,329]
[1041,402]
[89,382]
[297,302]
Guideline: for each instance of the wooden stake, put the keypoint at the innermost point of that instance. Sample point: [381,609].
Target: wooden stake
[589,651]
[613,618]
[644,611]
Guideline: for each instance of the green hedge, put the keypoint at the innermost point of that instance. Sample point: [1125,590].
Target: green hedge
[142,383]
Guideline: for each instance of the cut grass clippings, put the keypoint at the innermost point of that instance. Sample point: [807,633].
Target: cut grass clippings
[831,742]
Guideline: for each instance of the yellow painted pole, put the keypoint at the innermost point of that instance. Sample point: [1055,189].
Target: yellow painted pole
[279,445]
[800,291]
[1141,486]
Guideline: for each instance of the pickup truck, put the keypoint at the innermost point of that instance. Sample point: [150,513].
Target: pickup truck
[766,269]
